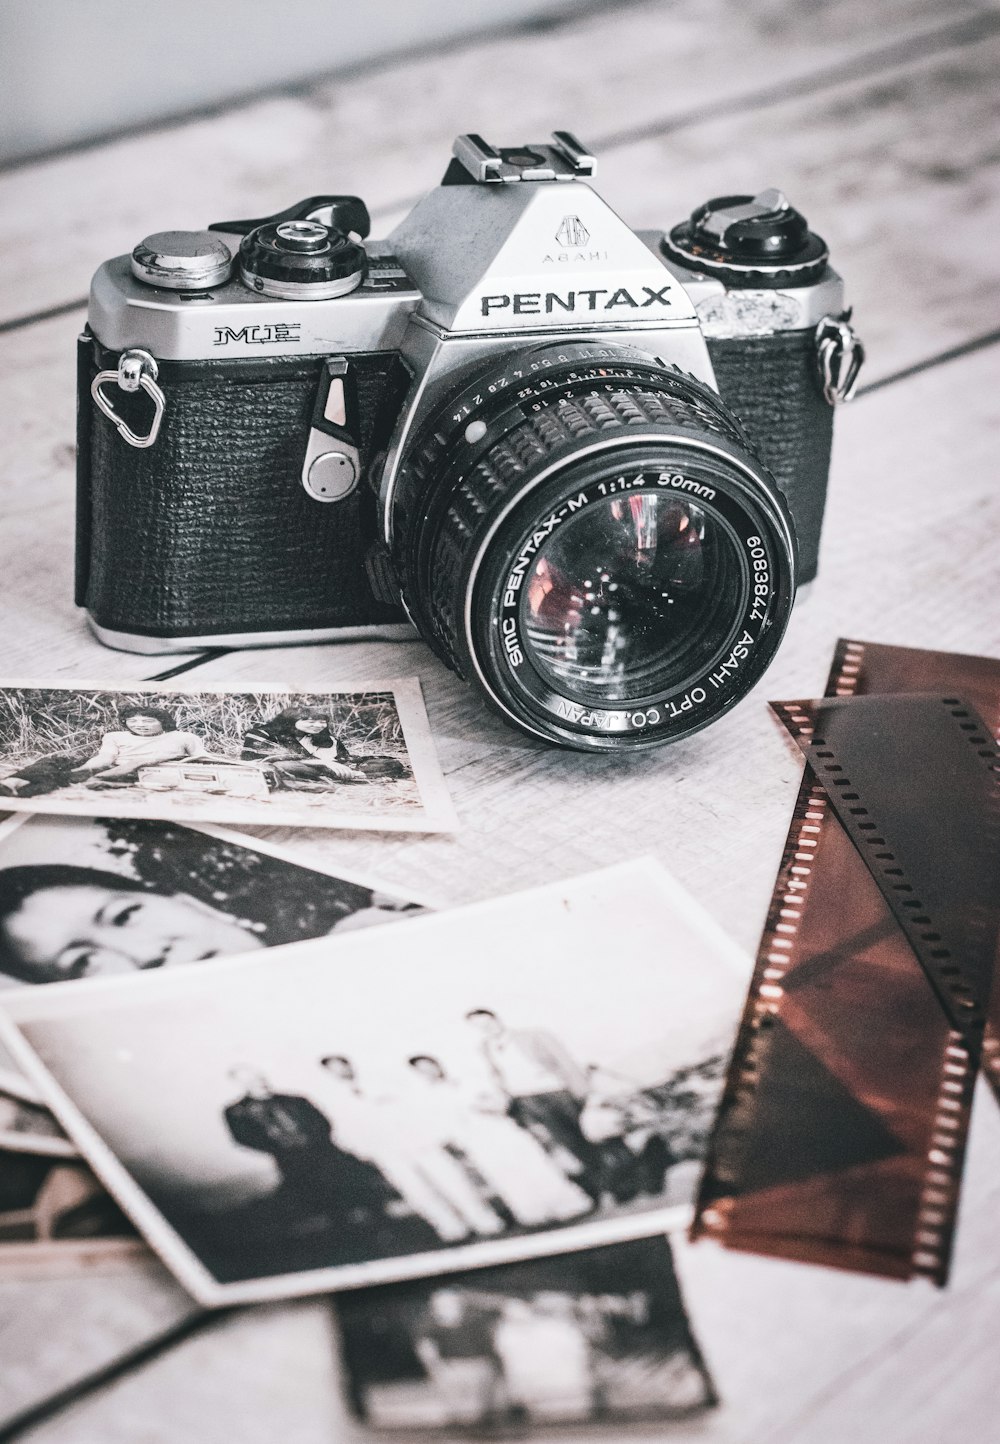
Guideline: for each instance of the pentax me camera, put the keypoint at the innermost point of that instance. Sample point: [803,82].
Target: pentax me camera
[587,464]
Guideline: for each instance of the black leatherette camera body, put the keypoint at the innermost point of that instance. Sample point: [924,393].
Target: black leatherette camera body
[772,384]
[210,532]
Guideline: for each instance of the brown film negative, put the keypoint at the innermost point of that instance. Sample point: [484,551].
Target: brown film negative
[842,1130]
[914,780]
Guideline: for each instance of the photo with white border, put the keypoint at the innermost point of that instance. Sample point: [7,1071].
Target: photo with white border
[31,1128]
[352,758]
[57,1220]
[523,1076]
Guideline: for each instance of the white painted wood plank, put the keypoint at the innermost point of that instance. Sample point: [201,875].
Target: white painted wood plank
[387,135]
[899,173]
[55,1331]
[256,1377]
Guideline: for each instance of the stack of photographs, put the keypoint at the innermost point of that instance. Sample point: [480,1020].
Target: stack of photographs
[84,898]
[475,1130]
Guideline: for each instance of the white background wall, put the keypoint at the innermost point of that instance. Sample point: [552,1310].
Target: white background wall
[71,70]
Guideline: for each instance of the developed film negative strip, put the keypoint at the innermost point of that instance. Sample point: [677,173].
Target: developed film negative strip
[913,780]
[842,1131]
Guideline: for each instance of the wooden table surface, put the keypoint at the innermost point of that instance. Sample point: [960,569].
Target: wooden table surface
[880,122]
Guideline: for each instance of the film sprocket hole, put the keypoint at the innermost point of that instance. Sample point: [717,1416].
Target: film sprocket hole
[588,464]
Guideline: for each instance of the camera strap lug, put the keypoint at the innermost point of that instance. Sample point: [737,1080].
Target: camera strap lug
[136,370]
[840,356]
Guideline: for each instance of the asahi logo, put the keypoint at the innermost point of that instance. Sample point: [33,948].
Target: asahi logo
[258,335]
[572,233]
[572,237]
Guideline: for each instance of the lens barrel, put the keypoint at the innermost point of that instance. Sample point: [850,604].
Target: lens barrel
[589,536]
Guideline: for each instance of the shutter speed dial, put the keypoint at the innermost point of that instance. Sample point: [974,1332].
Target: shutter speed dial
[301,260]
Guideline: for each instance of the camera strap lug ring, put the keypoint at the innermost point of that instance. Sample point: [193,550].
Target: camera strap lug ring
[840,356]
[136,370]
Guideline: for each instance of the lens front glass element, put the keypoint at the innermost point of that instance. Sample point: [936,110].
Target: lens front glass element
[630,597]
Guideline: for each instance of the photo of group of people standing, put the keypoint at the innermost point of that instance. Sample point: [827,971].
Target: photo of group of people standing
[535,1140]
[396,1103]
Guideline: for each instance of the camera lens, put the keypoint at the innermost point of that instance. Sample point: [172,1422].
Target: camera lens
[589,536]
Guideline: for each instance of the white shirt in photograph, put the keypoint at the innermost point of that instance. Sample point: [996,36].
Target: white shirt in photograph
[530,1061]
[125,749]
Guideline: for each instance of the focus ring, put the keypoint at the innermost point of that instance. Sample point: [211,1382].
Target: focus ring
[562,425]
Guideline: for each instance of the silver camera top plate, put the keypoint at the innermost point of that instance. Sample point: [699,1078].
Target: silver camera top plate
[233,321]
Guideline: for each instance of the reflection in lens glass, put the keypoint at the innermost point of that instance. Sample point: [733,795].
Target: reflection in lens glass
[630,597]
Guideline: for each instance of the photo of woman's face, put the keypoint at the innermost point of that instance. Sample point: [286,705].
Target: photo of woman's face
[60,933]
[142,725]
[310,725]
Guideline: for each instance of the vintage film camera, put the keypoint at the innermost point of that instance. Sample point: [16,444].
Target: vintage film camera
[588,465]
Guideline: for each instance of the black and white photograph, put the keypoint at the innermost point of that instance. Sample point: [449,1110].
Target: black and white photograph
[347,759]
[55,1218]
[599,1336]
[13,1080]
[522,1076]
[31,1128]
[102,897]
